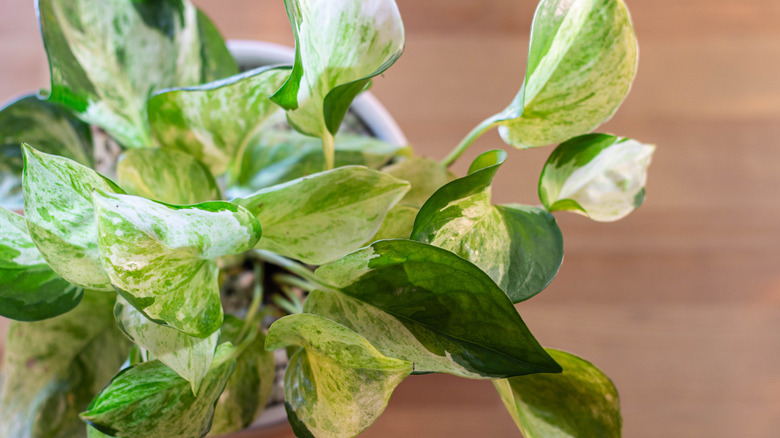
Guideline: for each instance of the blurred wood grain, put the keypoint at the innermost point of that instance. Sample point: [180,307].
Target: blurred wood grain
[680,302]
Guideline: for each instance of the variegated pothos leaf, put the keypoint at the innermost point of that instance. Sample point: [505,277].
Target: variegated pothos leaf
[581,61]
[598,175]
[61,218]
[150,400]
[337,384]
[107,57]
[339,46]
[29,289]
[581,402]
[161,258]
[188,356]
[519,247]
[166,176]
[431,307]
[215,122]
[319,218]
[52,369]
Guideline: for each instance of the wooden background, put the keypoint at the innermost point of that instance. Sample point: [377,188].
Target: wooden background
[680,302]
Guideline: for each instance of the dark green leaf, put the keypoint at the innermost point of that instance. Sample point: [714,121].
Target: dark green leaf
[338,384]
[167,176]
[52,369]
[61,218]
[519,247]
[581,402]
[598,175]
[249,388]
[150,400]
[427,305]
[107,57]
[49,128]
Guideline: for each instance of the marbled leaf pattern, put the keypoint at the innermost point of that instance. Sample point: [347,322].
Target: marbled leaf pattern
[598,175]
[337,384]
[581,61]
[519,247]
[581,402]
[319,218]
[161,258]
[108,56]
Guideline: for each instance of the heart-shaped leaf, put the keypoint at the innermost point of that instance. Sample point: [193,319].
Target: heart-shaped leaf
[167,176]
[339,47]
[277,156]
[215,122]
[319,218]
[107,57]
[581,62]
[161,257]
[425,176]
[599,175]
[60,216]
[50,128]
[189,357]
[29,289]
[249,388]
[152,401]
[581,402]
[52,369]
[429,306]
[519,247]
[338,384]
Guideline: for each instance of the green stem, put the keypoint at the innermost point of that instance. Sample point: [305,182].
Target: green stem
[292,266]
[257,300]
[294,281]
[329,149]
[472,136]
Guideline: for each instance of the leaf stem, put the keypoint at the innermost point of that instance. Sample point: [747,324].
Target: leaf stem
[294,281]
[329,149]
[292,266]
[472,136]
[257,300]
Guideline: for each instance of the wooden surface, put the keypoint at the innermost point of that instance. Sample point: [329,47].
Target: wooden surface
[679,303]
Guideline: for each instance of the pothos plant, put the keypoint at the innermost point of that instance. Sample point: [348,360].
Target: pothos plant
[384,262]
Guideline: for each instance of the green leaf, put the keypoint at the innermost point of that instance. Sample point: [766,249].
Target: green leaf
[161,257]
[150,400]
[429,306]
[581,402]
[167,176]
[52,369]
[50,128]
[320,218]
[278,156]
[60,216]
[189,357]
[215,122]
[29,289]
[581,62]
[519,247]
[249,388]
[338,384]
[107,57]
[425,176]
[599,175]
[339,47]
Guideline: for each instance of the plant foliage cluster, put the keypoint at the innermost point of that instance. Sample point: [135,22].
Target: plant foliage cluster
[116,282]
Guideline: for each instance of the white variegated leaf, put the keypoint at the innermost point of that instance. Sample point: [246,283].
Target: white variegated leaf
[337,384]
[599,175]
[581,62]
[161,258]
[339,46]
[319,218]
[190,357]
[61,218]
